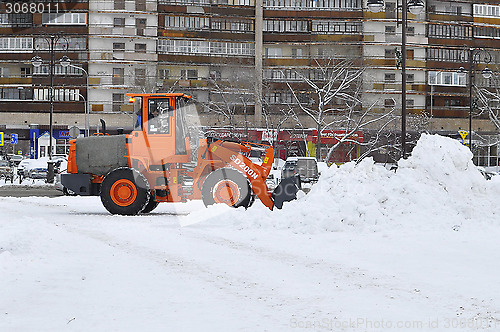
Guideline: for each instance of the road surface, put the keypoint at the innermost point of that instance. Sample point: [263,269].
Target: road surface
[26,191]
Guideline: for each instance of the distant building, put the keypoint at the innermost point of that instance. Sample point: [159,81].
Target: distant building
[227,52]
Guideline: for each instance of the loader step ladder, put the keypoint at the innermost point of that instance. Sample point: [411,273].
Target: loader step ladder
[186,183]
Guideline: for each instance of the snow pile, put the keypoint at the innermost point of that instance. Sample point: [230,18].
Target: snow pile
[437,186]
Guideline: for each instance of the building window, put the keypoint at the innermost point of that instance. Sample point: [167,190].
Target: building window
[140,5]
[186,2]
[189,74]
[449,31]
[63,44]
[119,22]
[390,53]
[117,101]
[487,32]
[140,24]
[16,94]
[390,10]
[410,78]
[390,30]
[163,74]
[273,52]
[390,77]
[410,103]
[140,76]
[16,19]
[64,18]
[452,102]
[487,10]
[25,71]
[287,25]
[140,48]
[58,70]
[297,52]
[119,4]
[318,4]
[410,54]
[390,102]
[118,76]
[16,44]
[118,47]
[335,27]
[205,47]
[447,78]
[191,23]
[446,55]
[59,94]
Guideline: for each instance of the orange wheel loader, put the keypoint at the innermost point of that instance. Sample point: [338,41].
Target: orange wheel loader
[167,159]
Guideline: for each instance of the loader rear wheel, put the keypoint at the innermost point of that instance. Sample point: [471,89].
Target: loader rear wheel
[151,205]
[226,186]
[124,191]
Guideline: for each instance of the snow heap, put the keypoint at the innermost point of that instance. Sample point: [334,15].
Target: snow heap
[437,186]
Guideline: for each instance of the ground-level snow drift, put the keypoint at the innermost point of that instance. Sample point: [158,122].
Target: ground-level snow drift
[367,250]
[437,186]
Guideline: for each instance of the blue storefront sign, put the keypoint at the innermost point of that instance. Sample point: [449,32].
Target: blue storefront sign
[35,135]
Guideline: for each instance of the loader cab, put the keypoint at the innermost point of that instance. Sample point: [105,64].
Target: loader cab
[160,135]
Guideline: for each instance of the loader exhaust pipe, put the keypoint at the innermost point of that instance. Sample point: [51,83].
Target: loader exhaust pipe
[103,125]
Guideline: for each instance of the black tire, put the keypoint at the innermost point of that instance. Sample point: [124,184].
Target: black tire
[228,186]
[151,205]
[124,191]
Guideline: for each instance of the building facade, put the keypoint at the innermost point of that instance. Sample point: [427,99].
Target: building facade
[245,61]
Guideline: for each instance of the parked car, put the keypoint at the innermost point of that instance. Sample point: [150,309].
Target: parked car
[6,170]
[38,173]
[305,167]
[15,159]
[22,167]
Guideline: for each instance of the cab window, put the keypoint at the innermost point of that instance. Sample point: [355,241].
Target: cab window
[159,113]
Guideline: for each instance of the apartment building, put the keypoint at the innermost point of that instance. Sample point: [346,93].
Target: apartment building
[242,58]
[48,32]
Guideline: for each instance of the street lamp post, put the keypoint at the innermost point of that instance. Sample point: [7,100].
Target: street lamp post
[66,62]
[37,61]
[474,55]
[415,7]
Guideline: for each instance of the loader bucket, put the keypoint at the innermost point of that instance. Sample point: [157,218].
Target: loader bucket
[286,191]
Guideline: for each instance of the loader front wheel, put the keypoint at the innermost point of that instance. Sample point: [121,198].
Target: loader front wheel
[124,191]
[226,186]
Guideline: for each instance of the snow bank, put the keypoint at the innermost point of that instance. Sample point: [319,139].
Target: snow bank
[437,186]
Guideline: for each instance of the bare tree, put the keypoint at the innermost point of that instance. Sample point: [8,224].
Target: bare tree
[335,103]
[488,101]
[231,96]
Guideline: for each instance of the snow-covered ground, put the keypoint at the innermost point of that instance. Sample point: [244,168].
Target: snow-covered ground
[367,249]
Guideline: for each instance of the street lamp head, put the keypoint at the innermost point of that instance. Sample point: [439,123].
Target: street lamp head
[487,73]
[415,6]
[65,61]
[461,70]
[375,6]
[36,61]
